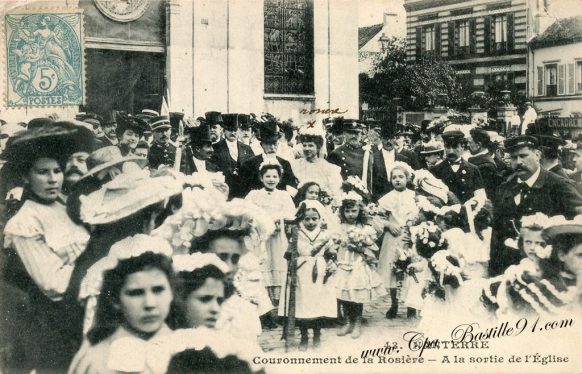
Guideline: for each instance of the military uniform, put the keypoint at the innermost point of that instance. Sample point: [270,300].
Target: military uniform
[161,154]
[463,183]
[550,194]
[350,159]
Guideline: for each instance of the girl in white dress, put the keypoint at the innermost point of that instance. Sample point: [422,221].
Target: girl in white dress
[315,297]
[279,205]
[400,205]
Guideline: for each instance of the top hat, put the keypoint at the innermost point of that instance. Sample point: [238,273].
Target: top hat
[200,135]
[233,121]
[269,132]
[160,122]
[175,118]
[213,118]
[516,142]
[388,131]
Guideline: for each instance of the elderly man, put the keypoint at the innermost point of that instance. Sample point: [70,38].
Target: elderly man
[269,136]
[351,156]
[530,190]
[215,122]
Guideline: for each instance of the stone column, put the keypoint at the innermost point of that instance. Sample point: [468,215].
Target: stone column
[179,58]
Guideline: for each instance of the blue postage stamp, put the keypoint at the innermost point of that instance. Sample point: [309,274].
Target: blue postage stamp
[45,63]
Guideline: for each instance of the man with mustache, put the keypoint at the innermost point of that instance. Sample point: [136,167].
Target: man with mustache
[462,177]
[162,151]
[530,190]
[350,156]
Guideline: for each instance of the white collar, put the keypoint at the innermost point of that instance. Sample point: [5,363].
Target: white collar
[531,180]
[484,152]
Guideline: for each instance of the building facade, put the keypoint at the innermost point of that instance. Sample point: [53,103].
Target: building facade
[484,40]
[276,56]
[555,77]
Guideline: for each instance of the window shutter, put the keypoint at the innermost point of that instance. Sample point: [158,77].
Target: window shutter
[437,38]
[561,79]
[451,39]
[418,43]
[472,36]
[540,81]
[488,34]
[510,33]
[571,81]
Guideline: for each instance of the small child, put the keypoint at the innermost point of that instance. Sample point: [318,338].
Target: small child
[309,191]
[400,204]
[314,298]
[279,205]
[356,281]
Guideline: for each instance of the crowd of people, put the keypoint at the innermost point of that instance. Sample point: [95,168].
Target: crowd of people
[153,243]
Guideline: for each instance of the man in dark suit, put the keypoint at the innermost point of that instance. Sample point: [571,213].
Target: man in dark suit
[109,133]
[382,162]
[162,151]
[400,147]
[530,190]
[230,154]
[479,143]
[550,146]
[200,152]
[249,171]
[350,156]
[462,178]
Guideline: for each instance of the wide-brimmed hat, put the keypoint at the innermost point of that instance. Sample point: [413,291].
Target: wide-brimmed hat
[39,122]
[129,122]
[432,148]
[127,194]
[561,226]
[160,122]
[213,118]
[85,140]
[58,141]
[269,131]
[109,156]
[232,121]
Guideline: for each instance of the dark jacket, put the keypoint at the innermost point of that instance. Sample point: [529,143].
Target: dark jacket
[413,158]
[250,178]
[188,166]
[230,167]
[161,154]
[463,183]
[559,170]
[378,182]
[550,194]
[350,159]
[488,170]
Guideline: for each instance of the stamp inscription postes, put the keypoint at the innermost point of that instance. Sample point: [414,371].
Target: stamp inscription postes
[45,59]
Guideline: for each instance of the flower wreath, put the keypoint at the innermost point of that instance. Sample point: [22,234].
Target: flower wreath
[355,183]
[206,209]
[447,269]
[425,205]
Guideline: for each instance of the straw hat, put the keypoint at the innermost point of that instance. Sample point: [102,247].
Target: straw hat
[127,194]
[109,156]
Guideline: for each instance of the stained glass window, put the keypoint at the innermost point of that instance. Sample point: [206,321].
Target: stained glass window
[289,47]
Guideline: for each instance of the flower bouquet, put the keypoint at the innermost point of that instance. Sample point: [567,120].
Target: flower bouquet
[325,197]
[401,265]
[363,240]
[447,270]
[427,238]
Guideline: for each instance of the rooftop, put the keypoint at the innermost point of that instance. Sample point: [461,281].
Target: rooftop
[365,34]
[563,31]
